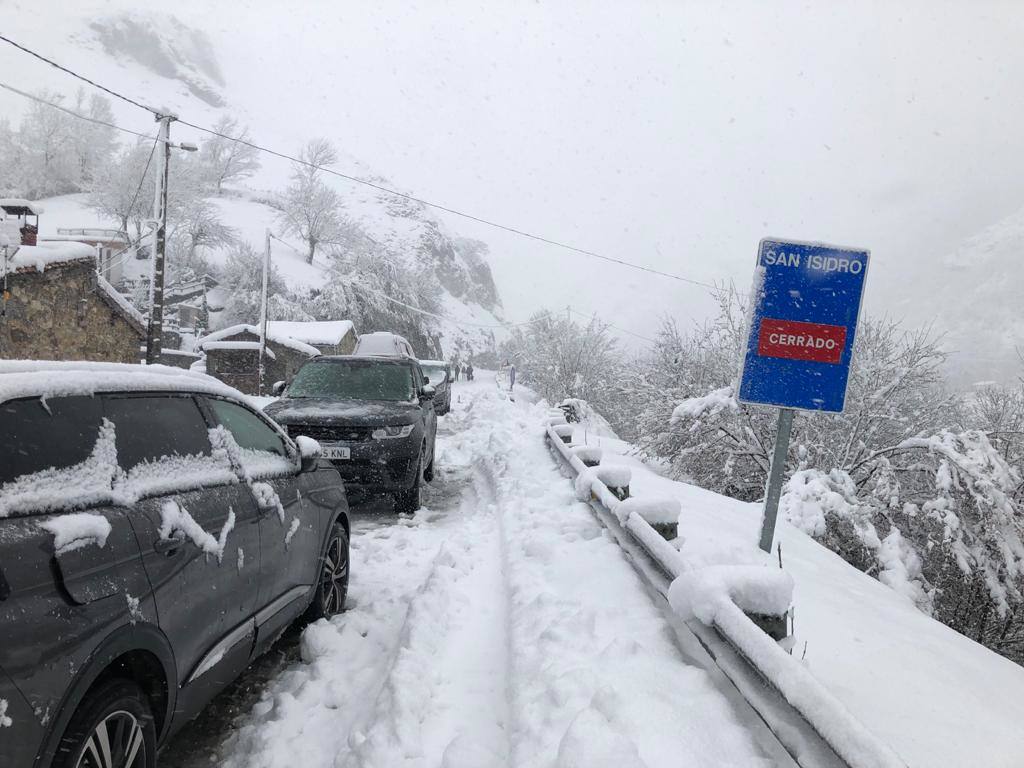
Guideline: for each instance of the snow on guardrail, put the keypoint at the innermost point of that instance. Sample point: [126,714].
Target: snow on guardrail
[724,598]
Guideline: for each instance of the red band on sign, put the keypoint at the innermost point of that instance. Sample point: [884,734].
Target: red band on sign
[801,341]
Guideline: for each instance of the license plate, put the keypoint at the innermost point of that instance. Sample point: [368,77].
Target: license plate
[336,452]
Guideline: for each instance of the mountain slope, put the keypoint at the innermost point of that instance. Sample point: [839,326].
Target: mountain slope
[154,57]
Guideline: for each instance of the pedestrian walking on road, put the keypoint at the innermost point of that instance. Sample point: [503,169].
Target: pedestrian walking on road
[469,372]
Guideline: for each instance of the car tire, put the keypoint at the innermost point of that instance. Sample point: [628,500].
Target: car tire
[112,724]
[332,583]
[428,473]
[407,502]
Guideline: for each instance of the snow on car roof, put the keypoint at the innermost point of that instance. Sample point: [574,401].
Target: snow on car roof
[46,378]
[380,343]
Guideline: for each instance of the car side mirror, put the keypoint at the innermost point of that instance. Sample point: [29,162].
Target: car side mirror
[426,379]
[309,453]
[427,392]
[278,388]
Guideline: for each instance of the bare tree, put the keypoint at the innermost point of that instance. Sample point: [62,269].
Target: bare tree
[226,160]
[310,209]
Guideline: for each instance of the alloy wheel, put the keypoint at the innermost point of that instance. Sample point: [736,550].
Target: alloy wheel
[334,576]
[117,741]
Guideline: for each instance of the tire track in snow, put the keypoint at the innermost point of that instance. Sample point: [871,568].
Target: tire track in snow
[354,678]
[598,678]
[445,702]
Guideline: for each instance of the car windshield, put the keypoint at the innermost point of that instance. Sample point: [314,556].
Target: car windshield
[435,373]
[354,380]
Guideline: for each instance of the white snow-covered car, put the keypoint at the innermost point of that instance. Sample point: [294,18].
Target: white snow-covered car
[383,344]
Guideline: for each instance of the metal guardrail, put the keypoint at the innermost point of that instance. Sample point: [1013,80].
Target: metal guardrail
[811,725]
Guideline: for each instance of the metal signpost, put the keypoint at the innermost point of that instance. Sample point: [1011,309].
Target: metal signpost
[803,321]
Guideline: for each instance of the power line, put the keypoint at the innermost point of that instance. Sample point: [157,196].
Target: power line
[79,115]
[612,325]
[447,209]
[93,83]
[359,286]
[357,180]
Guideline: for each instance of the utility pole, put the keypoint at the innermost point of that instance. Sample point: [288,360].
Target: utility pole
[154,331]
[263,314]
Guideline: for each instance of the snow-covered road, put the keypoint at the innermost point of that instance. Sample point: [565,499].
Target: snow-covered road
[499,626]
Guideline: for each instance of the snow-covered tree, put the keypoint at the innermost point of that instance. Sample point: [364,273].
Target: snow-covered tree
[242,276]
[309,209]
[561,358]
[225,161]
[93,144]
[47,159]
[911,483]
[113,194]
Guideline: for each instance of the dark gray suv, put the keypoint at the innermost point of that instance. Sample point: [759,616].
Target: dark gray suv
[156,534]
[374,417]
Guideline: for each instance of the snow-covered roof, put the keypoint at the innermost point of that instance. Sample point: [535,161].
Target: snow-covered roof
[48,254]
[312,332]
[234,330]
[18,202]
[48,378]
[216,299]
[253,345]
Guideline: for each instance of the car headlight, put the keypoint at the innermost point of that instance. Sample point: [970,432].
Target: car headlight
[390,433]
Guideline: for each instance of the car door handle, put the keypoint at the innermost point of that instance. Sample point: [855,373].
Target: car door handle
[169,545]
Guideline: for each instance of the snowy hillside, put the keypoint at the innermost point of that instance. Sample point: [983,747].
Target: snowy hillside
[153,56]
[976,289]
[933,695]
[469,297]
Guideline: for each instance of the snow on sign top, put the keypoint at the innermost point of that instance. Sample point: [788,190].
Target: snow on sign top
[802,325]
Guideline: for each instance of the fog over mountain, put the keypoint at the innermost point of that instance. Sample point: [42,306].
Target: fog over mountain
[672,134]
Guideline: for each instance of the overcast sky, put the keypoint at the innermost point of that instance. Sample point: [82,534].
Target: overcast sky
[672,134]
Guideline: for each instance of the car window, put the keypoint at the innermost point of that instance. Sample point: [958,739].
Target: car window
[57,434]
[435,373]
[250,432]
[354,379]
[151,428]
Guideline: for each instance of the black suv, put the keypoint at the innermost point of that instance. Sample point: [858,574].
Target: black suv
[156,534]
[374,418]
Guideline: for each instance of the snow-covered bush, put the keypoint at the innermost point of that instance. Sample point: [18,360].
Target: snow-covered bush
[560,358]
[916,486]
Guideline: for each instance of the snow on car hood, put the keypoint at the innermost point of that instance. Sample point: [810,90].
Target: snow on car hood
[342,412]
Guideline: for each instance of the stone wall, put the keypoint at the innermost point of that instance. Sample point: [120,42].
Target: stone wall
[60,314]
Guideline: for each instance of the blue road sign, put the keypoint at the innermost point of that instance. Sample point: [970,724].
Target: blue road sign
[806,301]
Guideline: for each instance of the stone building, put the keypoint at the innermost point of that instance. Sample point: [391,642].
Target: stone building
[232,354]
[331,337]
[55,307]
